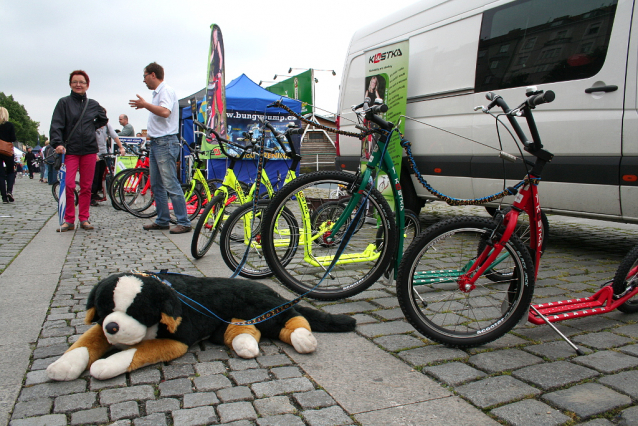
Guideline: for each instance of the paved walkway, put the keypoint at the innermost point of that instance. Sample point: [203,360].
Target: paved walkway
[383,373]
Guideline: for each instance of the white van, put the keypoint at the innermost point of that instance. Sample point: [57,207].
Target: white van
[586,51]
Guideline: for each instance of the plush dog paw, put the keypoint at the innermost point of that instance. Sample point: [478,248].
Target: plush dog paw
[246,346]
[112,366]
[69,366]
[303,341]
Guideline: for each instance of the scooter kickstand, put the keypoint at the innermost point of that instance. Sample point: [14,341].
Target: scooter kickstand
[565,338]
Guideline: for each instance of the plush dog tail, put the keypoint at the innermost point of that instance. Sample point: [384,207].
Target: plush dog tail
[325,322]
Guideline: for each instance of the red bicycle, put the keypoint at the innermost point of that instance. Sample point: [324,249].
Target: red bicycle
[467,281]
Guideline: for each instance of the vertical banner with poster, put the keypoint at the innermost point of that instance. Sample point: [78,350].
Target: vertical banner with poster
[386,81]
[215,86]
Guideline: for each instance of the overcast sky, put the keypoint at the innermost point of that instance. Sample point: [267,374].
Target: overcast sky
[44,40]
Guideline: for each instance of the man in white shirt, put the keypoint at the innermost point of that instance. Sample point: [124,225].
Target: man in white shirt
[162,128]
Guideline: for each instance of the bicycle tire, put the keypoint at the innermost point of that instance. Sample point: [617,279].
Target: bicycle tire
[362,262]
[522,231]
[626,278]
[429,290]
[55,190]
[193,203]
[113,189]
[207,227]
[135,195]
[233,240]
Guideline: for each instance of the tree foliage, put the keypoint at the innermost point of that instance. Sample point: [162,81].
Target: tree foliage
[26,129]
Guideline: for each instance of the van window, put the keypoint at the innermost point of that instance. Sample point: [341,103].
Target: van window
[531,42]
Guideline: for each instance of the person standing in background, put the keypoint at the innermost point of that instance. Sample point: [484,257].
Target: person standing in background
[102,134]
[73,125]
[127,129]
[7,162]
[29,160]
[163,126]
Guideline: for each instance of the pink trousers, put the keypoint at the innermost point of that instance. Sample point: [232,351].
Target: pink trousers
[85,164]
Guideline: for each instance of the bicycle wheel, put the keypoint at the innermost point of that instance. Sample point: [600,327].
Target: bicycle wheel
[522,231]
[55,190]
[237,232]
[326,215]
[208,226]
[625,279]
[438,304]
[135,194]
[114,188]
[361,263]
[193,203]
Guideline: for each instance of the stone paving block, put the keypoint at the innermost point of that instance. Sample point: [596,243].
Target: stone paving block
[349,308]
[236,411]
[625,382]
[555,350]
[592,323]
[48,420]
[124,410]
[313,399]
[454,373]
[194,416]
[50,341]
[530,412]
[398,342]
[629,417]
[36,377]
[629,350]
[330,416]
[597,422]
[630,330]
[96,415]
[74,402]
[209,368]
[187,358]
[49,351]
[503,360]
[496,390]
[431,354]
[283,420]
[509,340]
[390,314]
[212,353]
[607,361]
[211,383]
[177,371]
[199,399]
[602,340]
[247,377]
[115,382]
[587,400]
[274,406]
[36,407]
[52,389]
[544,333]
[238,364]
[384,328]
[286,372]
[133,393]
[555,374]
[145,375]
[273,360]
[364,319]
[157,419]
[175,387]
[280,387]
[42,364]
[164,405]
[236,393]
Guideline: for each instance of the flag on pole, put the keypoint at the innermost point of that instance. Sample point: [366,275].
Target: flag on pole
[62,194]
[215,116]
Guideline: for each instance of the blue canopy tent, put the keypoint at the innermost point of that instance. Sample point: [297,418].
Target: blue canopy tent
[245,98]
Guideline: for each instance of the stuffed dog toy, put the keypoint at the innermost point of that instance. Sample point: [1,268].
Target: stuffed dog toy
[154,318]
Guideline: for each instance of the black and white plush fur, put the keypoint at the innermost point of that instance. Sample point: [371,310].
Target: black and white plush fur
[144,318]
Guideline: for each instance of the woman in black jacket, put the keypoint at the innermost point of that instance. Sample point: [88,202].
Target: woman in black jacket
[7,171]
[75,119]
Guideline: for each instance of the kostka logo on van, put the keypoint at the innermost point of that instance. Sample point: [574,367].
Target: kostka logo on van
[375,59]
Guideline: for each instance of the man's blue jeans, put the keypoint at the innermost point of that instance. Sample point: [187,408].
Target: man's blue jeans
[163,157]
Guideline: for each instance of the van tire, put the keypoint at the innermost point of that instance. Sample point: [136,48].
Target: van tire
[410,200]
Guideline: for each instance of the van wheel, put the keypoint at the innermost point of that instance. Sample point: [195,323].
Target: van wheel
[410,199]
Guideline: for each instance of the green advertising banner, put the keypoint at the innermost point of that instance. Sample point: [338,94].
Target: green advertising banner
[386,81]
[298,87]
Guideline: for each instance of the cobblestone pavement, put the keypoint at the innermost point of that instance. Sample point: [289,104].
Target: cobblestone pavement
[527,377]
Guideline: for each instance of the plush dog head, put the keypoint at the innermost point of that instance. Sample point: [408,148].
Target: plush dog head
[131,307]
